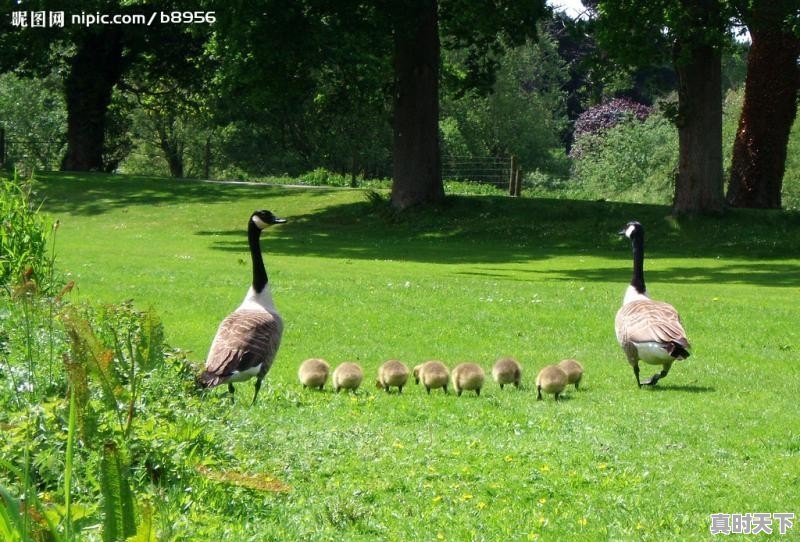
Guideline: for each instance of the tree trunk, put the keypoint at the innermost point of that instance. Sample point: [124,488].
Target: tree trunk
[94,70]
[769,109]
[171,146]
[417,178]
[699,185]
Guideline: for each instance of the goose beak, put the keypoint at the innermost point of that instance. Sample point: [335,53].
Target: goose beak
[621,232]
[277,220]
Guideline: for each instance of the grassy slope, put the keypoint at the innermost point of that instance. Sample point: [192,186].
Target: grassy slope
[482,277]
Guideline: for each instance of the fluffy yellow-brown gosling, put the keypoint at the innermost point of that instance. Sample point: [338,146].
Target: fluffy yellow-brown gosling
[432,374]
[313,373]
[467,376]
[574,371]
[347,376]
[392,373]
[507,371]
[551,379]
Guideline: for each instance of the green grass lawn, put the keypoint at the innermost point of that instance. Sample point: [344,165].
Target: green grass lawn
[479,278]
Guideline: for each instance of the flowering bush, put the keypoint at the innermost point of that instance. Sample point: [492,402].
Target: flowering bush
[600,118]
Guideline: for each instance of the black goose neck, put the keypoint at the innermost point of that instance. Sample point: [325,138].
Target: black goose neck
[260,278]
[637,246]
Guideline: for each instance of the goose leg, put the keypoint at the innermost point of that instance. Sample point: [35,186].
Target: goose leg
[258,387]
[539,396]
[636,373]
[231,391]
[658,376]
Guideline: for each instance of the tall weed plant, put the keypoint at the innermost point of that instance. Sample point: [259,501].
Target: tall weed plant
[23,236]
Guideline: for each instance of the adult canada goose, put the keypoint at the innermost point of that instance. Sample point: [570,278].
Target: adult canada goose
[551,379]
[248,339]
[647,330]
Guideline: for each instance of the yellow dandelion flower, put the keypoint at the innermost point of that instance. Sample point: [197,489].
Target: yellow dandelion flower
[508,459]
[582,522]
[602,466]
[398,444]
[466,496]
[544,468]
[639,526]
[437,498]
[542,500]
[439,536]
[533,536]
[481,505]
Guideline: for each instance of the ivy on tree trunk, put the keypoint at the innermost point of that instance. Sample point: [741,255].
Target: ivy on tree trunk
[768,112]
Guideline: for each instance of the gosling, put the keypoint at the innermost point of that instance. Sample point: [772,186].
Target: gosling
[468,376]
[507,371]
[551,379]
[574,371]
[313,373]
[392,373]
[432,374]
[347,376]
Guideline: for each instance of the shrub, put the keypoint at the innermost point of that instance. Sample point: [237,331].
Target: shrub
[632,161]
[597,120]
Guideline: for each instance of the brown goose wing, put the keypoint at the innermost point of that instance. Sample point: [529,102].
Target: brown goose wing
[244,339]
[646,320]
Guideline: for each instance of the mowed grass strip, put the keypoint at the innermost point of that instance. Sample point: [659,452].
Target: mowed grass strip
[479,278]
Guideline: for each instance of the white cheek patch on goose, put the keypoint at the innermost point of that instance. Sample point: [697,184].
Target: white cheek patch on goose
[258,222]
[629,231]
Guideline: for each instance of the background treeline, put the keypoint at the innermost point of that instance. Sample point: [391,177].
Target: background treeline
[580,116]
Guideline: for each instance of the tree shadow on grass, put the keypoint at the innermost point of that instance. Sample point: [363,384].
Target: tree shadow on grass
[753,273]
[92,194]
[475,230]
[486,231]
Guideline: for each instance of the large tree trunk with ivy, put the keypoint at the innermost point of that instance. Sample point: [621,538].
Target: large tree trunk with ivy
[699,184]
[417,176]
[769,109]
[94,70]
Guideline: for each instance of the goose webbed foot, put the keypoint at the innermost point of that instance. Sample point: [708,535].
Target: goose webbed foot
[656,377]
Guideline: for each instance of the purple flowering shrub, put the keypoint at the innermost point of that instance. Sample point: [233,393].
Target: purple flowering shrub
[596,120]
